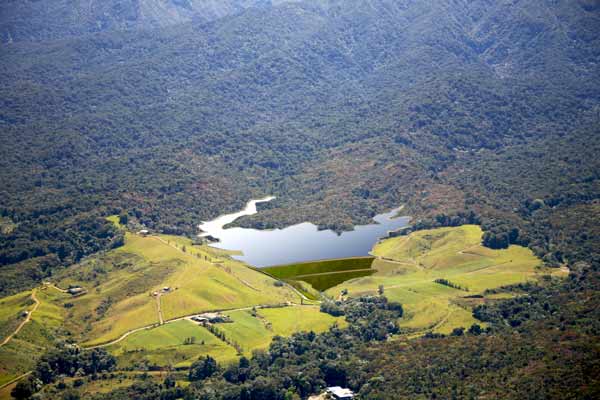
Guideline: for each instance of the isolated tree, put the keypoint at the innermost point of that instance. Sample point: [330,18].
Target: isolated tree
[244,362]
[380,290]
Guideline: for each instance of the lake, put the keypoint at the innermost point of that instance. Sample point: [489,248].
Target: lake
[297,243]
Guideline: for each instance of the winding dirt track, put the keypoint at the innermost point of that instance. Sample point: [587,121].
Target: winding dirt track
[26,320]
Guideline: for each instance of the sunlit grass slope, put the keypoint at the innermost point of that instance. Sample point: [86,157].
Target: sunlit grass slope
[166,345]
[170,344]
[408,266]
[11,311]
[120,284]
[38,335]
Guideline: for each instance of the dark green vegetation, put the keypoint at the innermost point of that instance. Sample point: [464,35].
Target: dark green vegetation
[31,20]
[468,112]
[340,108]
[544,346]
[324,274]
[68,361]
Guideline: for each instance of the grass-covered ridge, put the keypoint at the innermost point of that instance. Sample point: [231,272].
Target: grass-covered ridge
[125,295]
[407,267]
[120,285]
[169,344]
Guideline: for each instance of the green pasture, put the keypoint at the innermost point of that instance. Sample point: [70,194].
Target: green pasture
[288,320]
[407,267]
[166,345]
[11,310]
[36,337]
[120,284]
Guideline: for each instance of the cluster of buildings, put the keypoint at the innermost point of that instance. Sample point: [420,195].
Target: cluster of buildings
[211,318]
[166,289]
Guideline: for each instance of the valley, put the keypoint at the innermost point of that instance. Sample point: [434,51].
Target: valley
[199,199]
[140,300]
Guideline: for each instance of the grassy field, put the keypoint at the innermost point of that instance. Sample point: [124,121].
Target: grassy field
[116,221]
[165,345]
[38,335]
[324,274]
[11,310]
[285,321]
[407,267]
[252,332]
[119,285]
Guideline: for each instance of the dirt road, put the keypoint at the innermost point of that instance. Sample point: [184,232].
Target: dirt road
[26,320]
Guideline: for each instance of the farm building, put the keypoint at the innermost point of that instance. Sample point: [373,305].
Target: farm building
[340,393]
[143,232]
[213,318]
[76,290]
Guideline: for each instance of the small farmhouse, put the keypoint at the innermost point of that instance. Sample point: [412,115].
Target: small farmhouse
[76,290]
[338,392]
[213,318]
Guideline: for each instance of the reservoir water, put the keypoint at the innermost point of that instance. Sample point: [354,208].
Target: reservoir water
[297,243]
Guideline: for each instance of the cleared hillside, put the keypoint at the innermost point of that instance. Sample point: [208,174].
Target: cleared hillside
[439,275]
[340,108]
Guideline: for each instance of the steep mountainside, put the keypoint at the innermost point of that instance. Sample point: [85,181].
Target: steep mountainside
[340,108]
[34,20]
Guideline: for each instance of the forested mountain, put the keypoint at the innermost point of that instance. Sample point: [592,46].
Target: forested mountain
[34,20]
[171,112]
[340,108]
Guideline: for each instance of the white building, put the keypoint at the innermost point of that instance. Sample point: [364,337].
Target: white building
[340,393]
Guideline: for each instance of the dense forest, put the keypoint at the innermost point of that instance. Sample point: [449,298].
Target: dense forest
[172,112]
[341,109]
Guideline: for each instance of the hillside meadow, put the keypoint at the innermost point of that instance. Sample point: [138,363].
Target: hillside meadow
[170,344]
[407,267]
[120,285]
[438,275]
[118,298]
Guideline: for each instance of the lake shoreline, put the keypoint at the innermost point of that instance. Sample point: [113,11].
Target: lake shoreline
[303,242]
